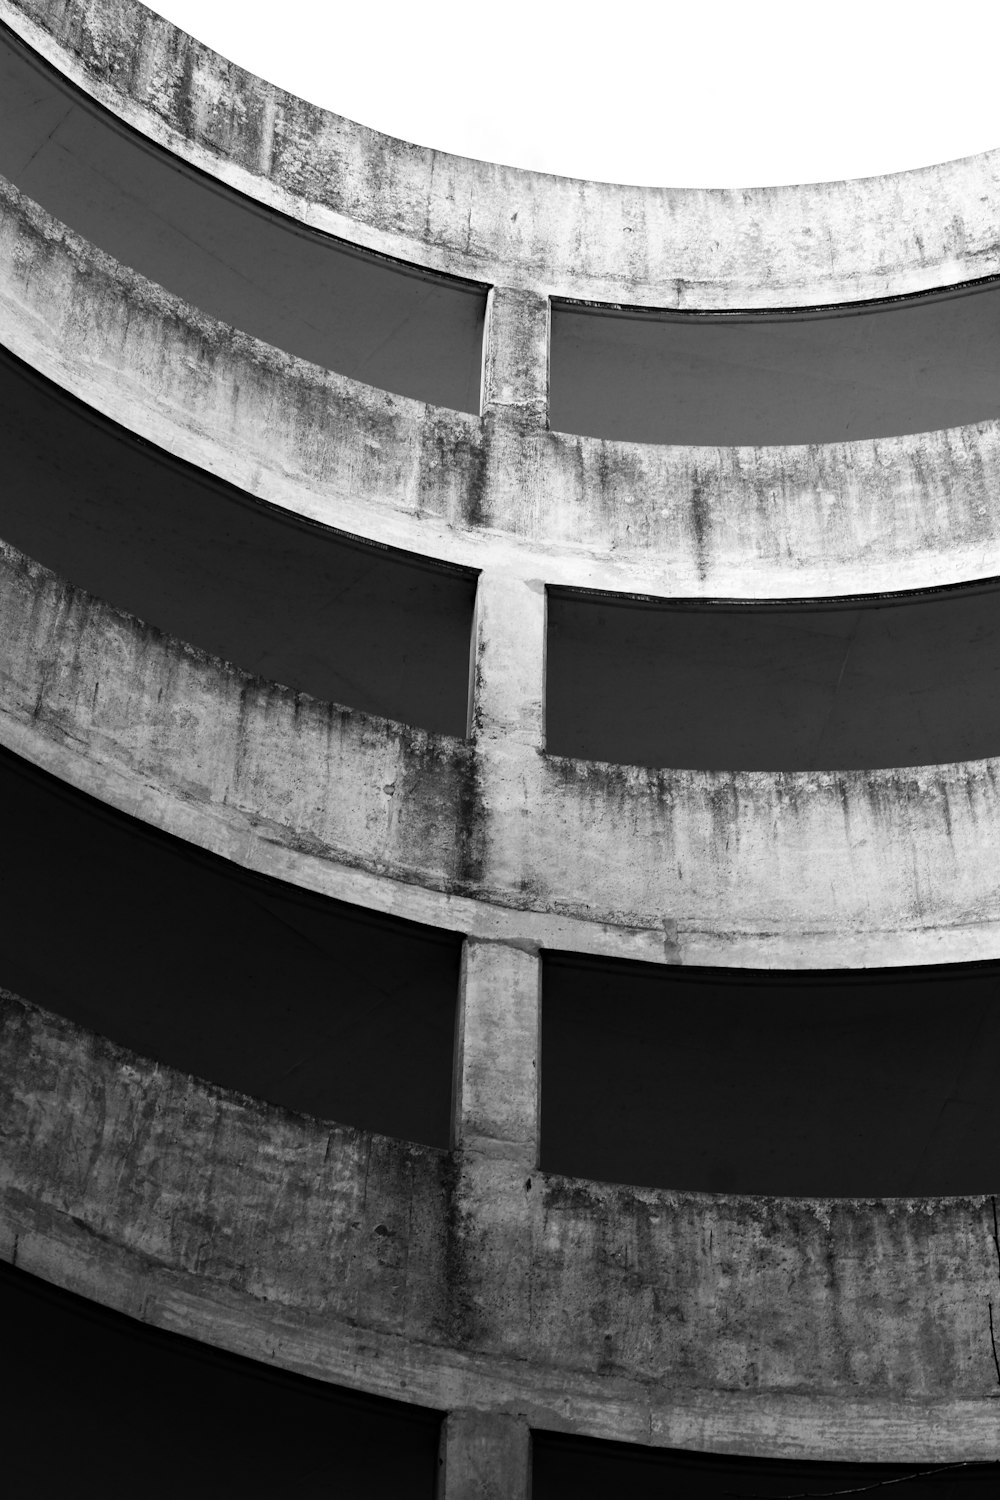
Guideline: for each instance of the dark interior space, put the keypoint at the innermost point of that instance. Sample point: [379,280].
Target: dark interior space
[348,621]
[247,981]
[100,1403]
[840,1083]
[914,364]
[573,1468]
[359,314]
[901,680]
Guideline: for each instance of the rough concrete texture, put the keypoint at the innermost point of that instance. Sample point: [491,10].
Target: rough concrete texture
[791,246]
[516,355]
[484,1457]
[816,1328]
[257,773]
[284,282]
[471,1282]
[723,866]
[277,757]
[907,512]
[497,1084]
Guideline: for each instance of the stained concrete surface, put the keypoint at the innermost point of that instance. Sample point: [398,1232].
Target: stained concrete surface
[221,1424]
[100,1403]
[346,621]
[906,681]
[237,978]
[916,365]
[489,835]
[865,1084]
[565,1467]
[681,522]
[317,297]
[609,242]
[834,1329]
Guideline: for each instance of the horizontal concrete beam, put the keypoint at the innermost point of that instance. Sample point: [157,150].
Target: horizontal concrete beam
[769,247]
[840,1329]
[493,837]
[853,518]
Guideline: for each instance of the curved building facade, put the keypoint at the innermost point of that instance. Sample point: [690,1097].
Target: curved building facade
[499,760]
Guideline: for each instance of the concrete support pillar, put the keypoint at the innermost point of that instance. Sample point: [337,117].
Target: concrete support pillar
[496,1056]
[516,356]
[495,1107]
[507,682]
[484,1456]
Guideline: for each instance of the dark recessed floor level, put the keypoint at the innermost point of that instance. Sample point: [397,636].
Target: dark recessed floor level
[246,981]
[571,1468]
[98,1403]
[841,1083]
[898,680]
[915,364]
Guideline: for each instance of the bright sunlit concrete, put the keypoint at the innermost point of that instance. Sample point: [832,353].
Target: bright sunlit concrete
[727,95]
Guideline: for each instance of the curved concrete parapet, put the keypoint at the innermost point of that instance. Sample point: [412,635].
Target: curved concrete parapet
[491,836]
[339,802]
[860,517]
[763,247]
[837,1329]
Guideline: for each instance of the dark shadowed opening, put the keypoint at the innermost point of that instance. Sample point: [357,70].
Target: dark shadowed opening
[915,364]
[573,1468]
[100,1403]
[348,621]
[244,980]
[901,680]
[362,315]
[843,1083]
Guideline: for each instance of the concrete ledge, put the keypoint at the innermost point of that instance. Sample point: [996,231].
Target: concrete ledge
[765,247]
[755,869]
[864,517]
[339,802]
[798,1328]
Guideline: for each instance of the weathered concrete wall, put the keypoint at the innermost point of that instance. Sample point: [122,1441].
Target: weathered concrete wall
[828,242]
[757,869]
[820,1329]
[323,1219]
[794,869]
[314,777]
[343,803]
[281,281]
[860,517]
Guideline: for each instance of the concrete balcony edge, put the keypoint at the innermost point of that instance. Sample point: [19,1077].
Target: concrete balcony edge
[753,869]
[758,1326]
[768,523]
[724,248]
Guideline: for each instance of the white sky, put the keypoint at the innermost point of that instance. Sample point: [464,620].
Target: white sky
[711,94]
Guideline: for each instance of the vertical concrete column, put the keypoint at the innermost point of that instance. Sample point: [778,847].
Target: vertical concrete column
[497,1200]
[516,356]
[495,1105]
[496,1056]
[484,1456]
[507,719]
[507,681]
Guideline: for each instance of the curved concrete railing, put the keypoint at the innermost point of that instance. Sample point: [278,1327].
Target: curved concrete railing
[860,517]
[765,247]
[822,1329]
[343,803]
[792,870]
